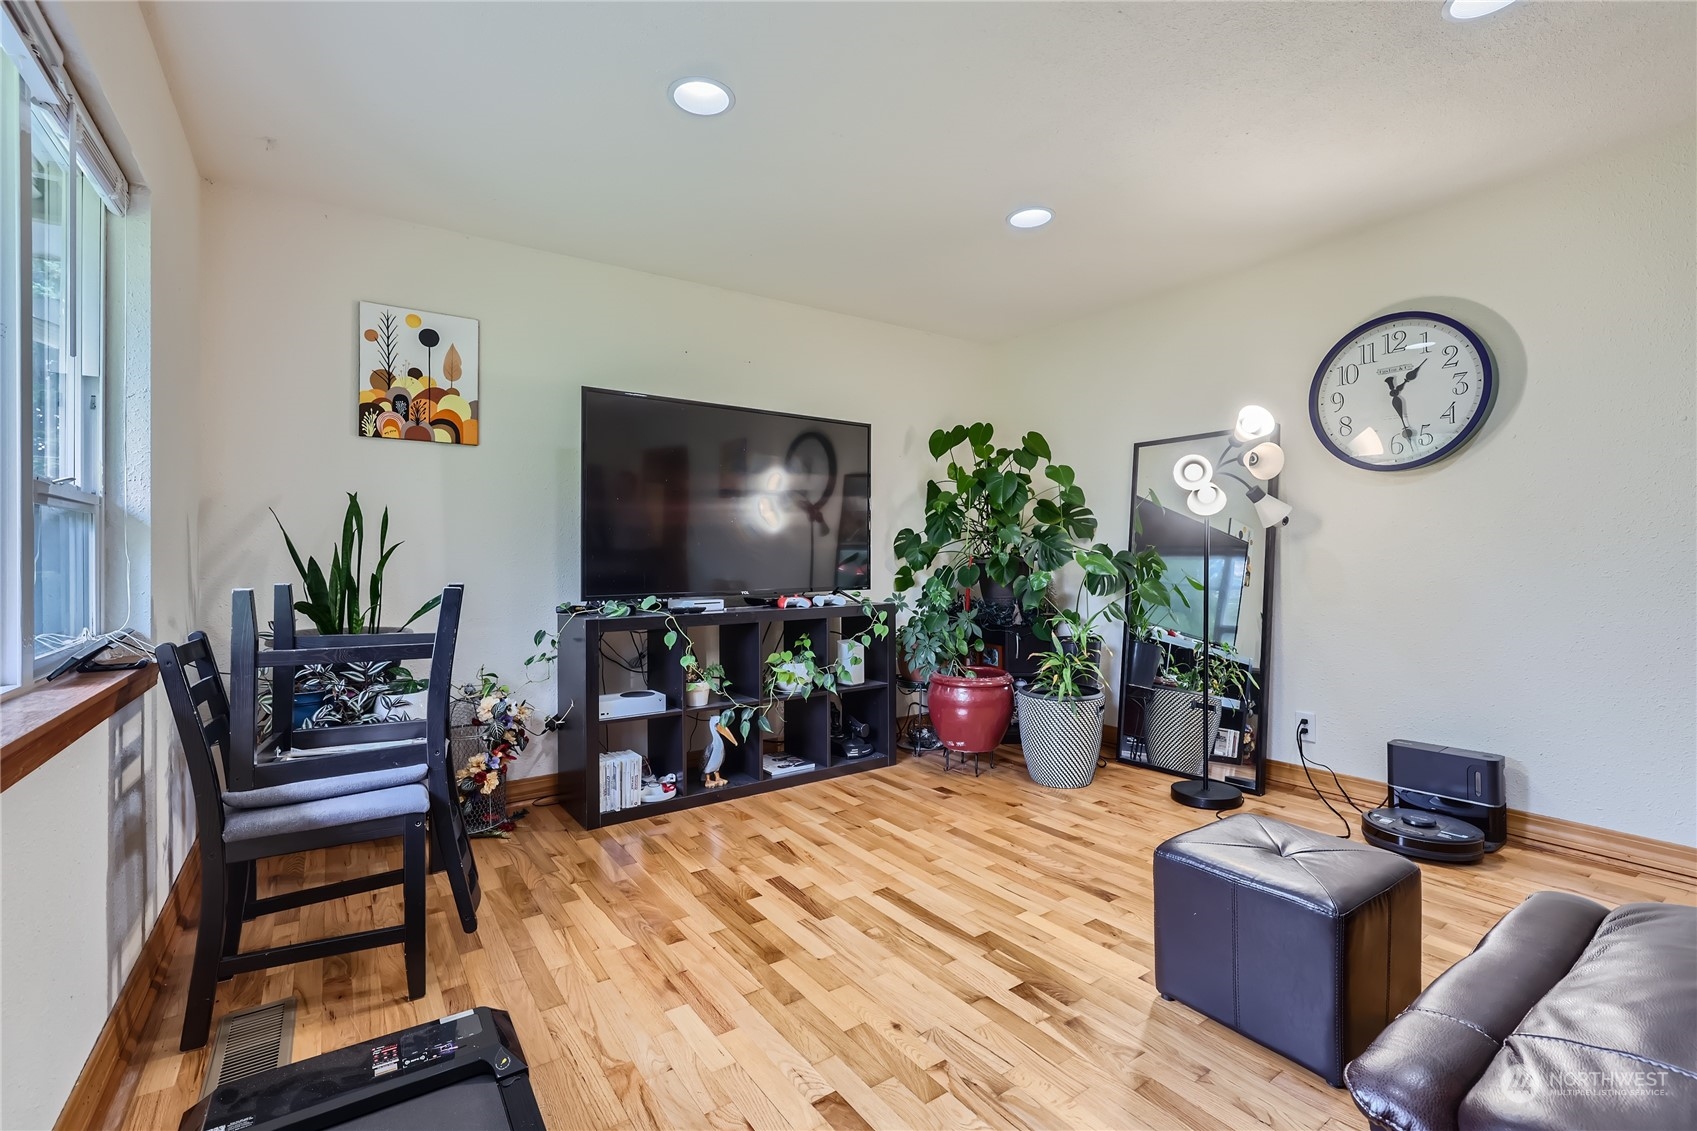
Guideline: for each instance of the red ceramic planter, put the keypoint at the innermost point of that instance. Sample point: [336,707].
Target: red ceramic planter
[971,713]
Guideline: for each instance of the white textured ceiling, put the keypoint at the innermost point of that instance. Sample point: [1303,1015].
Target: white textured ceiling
[875,148]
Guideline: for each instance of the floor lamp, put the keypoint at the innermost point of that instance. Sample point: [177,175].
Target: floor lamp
[1263,459]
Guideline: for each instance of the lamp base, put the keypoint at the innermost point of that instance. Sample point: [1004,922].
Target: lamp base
[1207,794]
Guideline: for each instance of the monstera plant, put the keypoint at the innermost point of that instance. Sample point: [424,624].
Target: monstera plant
[1003,518]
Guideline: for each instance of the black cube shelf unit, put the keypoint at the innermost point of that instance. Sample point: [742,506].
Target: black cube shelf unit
[806,723]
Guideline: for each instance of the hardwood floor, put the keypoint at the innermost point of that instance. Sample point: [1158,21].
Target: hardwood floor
[898,949]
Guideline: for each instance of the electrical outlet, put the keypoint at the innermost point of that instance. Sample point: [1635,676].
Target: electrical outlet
[1310,736]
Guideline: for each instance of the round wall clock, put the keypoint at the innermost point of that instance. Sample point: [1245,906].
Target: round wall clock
[1402,391]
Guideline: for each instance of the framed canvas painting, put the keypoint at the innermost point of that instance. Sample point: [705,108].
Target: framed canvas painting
[417,375]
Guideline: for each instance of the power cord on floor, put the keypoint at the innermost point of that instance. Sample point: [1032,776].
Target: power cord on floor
[1301,753]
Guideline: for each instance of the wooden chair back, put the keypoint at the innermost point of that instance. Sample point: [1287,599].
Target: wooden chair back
[195,692]
[293,650]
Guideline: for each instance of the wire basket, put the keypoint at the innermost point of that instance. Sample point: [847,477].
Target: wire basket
[483,811]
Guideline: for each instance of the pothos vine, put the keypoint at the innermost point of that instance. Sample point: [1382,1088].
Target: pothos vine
[788,673]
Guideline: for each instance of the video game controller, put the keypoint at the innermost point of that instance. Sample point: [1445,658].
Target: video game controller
[830,599]
[794,603]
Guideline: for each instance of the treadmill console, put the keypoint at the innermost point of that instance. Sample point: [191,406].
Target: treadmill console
[469,1065]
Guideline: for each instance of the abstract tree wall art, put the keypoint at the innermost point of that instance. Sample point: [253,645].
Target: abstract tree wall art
[417,375]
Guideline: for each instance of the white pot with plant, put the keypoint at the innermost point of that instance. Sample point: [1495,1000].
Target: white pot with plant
[1182,727]
[1061,708]
[700,681]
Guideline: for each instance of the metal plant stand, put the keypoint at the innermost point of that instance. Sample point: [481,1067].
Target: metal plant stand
[484,812]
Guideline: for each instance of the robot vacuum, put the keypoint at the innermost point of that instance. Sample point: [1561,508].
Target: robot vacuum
[1423,835]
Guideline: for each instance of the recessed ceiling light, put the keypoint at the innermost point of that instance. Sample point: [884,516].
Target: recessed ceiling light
[702,97]
[1472,9]
[1030,217]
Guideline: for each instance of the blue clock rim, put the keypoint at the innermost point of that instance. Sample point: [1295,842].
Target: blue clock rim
[1449,449]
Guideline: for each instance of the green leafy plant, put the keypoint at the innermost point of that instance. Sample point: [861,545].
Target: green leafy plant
[1069,669]
[711,675]
[990,516]
[941,634]
[794,672]
[1129,587]
[356,692]
[333,598]
[1228,676]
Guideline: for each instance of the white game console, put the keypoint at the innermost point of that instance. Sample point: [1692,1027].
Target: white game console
[631,704]
[696,604]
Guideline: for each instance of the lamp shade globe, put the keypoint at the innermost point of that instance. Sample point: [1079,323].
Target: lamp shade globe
[1193,471]
[1265,460]
[1206,500]
[1253,422]
[1271,511]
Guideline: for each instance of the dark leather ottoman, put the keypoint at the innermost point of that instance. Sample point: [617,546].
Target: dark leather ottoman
[1300,941]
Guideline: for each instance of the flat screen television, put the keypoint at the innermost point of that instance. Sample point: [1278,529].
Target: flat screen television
[1178,537]
[682,498]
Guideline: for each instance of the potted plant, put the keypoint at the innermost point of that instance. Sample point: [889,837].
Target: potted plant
[970,704]
[349,694]
[701,681]
[990,522]
[1147,593]
[794,672]
[1180,724]
[1061,708]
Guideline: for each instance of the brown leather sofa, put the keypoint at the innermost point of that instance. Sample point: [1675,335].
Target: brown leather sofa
[1566,1016]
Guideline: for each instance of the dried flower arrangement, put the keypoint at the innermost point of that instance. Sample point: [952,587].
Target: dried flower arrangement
[505,724]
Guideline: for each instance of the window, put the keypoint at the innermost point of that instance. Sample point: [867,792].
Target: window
[53,220]
[66,219]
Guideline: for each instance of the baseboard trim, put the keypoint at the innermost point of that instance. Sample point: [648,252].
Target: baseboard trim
[1551,834]
[534,789]
[98,1082]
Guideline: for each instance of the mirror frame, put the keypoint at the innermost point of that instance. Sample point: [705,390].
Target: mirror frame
[1264,674]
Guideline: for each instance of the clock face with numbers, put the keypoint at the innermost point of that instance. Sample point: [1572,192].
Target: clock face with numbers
[1402,391]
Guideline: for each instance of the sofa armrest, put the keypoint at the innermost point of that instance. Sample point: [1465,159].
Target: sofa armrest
[1414,1076]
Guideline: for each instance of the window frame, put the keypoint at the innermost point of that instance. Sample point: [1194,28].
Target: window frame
[17,524]
[87,234]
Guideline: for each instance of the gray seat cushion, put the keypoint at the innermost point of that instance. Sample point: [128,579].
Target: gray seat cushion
[327,813]
[336,785]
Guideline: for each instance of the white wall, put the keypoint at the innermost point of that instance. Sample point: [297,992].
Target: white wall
[98,834]
[74,838]
[282,279]
[1532,596]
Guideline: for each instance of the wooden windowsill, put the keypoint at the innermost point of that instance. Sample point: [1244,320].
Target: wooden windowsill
[47,718]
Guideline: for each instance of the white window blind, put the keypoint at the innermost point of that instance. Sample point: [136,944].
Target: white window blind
[27,38]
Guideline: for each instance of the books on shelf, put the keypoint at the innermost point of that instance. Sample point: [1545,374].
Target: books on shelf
[781,765]
[621,780]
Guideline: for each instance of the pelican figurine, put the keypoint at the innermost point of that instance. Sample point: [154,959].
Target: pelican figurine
[715,756]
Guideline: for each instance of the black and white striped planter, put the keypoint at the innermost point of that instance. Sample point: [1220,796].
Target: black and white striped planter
[1174,731]
[1062,738]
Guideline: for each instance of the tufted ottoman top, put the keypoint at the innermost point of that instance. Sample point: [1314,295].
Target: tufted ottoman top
[1314,870]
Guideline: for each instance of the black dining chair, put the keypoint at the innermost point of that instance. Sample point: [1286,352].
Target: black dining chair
[289,756]
[234,835]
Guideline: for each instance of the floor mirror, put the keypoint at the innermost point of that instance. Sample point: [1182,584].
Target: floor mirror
[1229,554]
